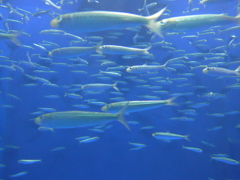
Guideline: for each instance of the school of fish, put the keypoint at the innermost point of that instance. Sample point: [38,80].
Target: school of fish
[120,63]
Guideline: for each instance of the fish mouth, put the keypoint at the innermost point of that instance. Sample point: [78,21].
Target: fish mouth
[204,71]
[54,23]
[38,120]
[104,108]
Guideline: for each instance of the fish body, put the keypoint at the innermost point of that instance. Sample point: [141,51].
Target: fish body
[217,71]
[29,161]
[67,52]
[193,22]
[103,20]
[134,106]
[144,68]
[198,150]
[112,49]
[19,174]
[75,119]
[169,136]
[226,160]
[99,87]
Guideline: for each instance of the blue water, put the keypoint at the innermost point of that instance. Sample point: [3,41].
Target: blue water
[111,157]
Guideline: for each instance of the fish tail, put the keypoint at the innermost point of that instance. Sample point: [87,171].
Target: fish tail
[170,101]
[238,18]
[238,69]
[14,38]
[115,86]
[121,116]
[153,24]
[97,47]
[146,50]
[186,137]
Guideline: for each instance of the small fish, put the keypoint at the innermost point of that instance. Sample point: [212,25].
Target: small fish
[89,140]
[138,144]
[19,174]
[47,109]
[217,71]
[226,160]
[29,161]
[57,149]
[169,136]
[193,149]
[82,137]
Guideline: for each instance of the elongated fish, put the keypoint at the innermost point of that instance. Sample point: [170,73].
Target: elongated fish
[217,71]
[134,106]
[75,119]
[169,136]
[112,49]
[226,160]
[66,52]
[104,20]
[195,22]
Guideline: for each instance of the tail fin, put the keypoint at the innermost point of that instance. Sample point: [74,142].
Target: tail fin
[146,50]
[153,24]
[170,101]
[238,69]
[97,47]
[115,86]
[121,116]
[14,38]
[186,137]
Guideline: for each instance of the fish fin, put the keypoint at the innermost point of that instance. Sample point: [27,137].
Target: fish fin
[238,69]
[153,24]
[121,116]
[146,50]
[170,101]
[97,47]
[115,86]
[186,137]
[14,38]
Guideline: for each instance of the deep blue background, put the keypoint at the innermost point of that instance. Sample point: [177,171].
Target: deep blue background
[109,157]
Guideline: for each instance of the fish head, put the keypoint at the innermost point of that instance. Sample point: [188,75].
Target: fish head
[168,25]
[61,22]
[105,108]
[208,70]
[39,120]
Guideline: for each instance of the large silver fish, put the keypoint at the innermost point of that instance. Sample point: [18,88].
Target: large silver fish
[134,106]
[104,20]
[75,119]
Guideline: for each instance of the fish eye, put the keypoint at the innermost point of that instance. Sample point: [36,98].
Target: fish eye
[59,18]
[162,22]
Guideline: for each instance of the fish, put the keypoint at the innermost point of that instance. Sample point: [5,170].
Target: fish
[75,119]
[99,86]
[104,20]
[112,49]
[138,144]
[67,52]
[29,161]
[12,37]
[195,22]
[217,71]
[134,106]
[198,150]
[169,136]
[225,160]
[19,174]
[92,139]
